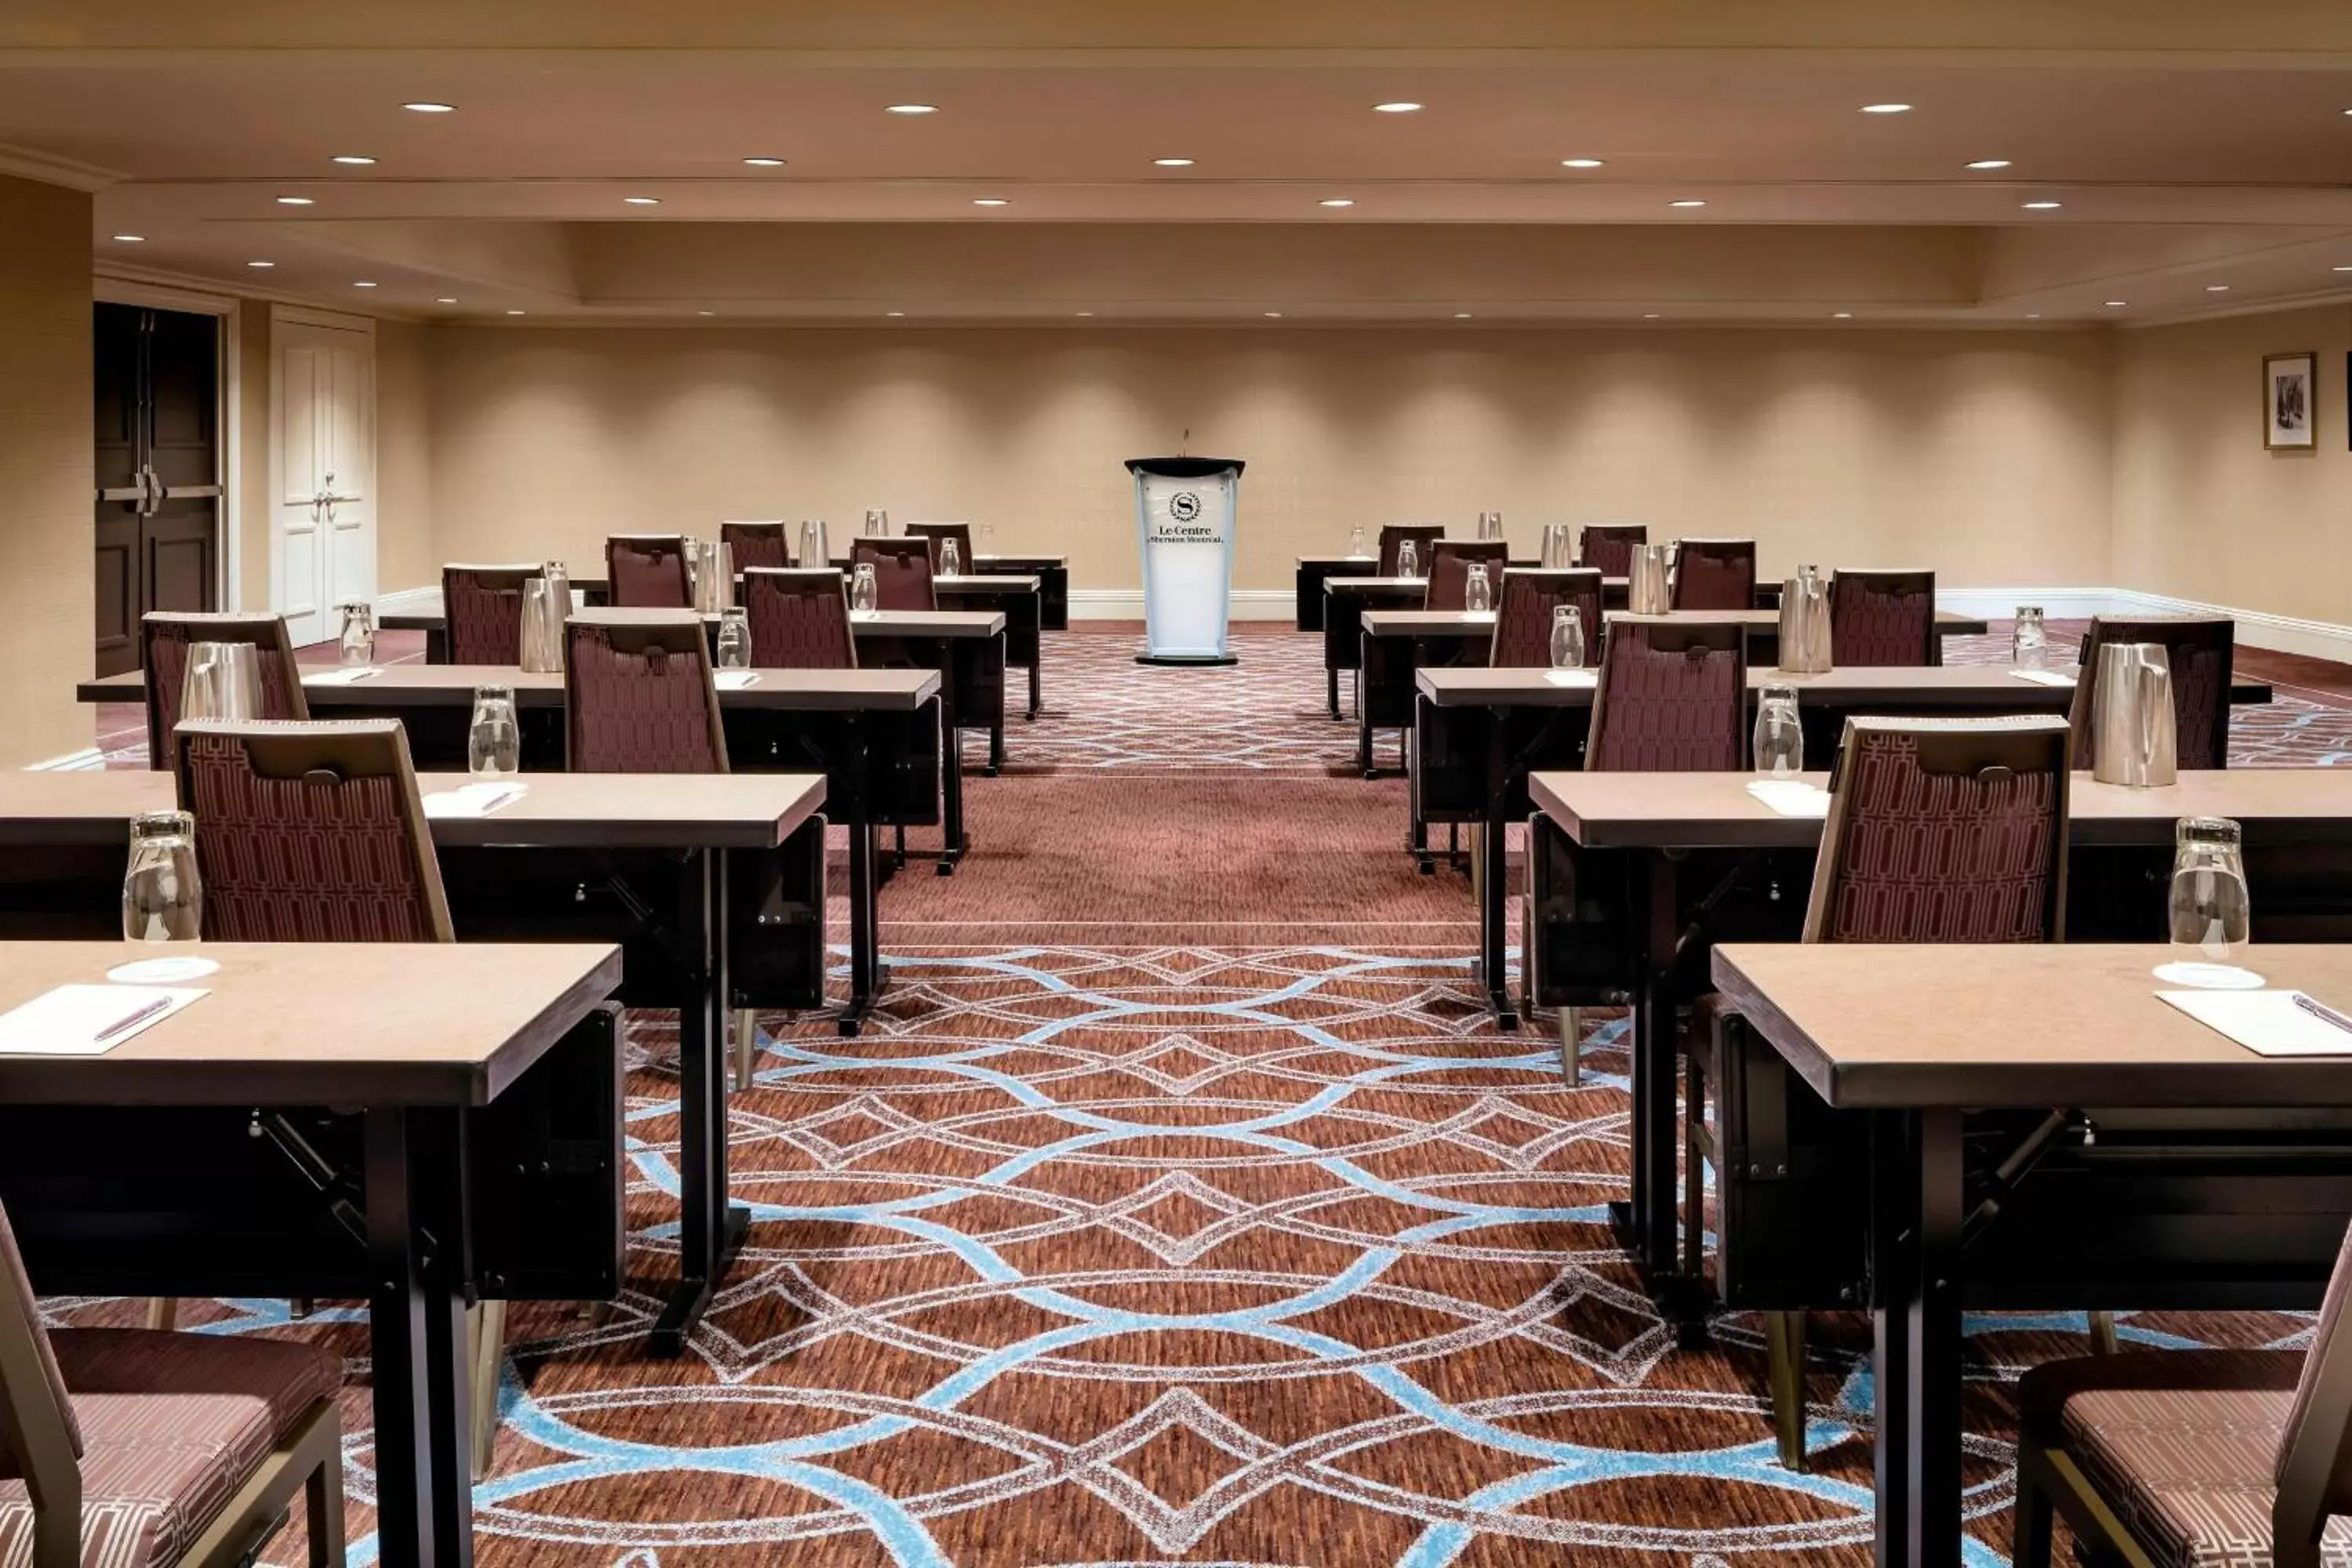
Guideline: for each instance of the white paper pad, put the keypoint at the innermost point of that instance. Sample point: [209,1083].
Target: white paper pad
[163,971]
[2043,677]
[1791,798]
[342,676]
[2267,1023]
[473,799]
[865,615]
[1486,617]
[735,680]
[69,1020]
[1586,678]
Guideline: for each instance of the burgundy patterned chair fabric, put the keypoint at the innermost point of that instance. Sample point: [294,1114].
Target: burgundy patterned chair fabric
[903,568]
[756,544]
[165,635]
[1883,618]
[1672,697]
[647,571]
[1945,830]
[1608,547]
[638,696]
[799,618]
[1393,535]
[2201,652]
[309,832]
[939,533]
[1714,574]
[481,608]
[1449,562]
[1523,615]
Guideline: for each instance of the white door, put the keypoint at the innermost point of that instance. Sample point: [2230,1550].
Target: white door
[323,546]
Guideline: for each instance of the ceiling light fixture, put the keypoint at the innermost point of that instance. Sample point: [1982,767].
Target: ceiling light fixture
[2117,304]
[643,200]
[2216,288]
[2041,206]
[514,312]
[295,202]
[990,202]
[1173,162]
[2033,315]
[1580,164]
[1400,106]
[1336,202]
[430,108]
[765,163]
[1462,315]
[706,312]
[1650,315]
[2344,269]
[911,108]
[1989,163]
[261,264]
[352,160]
[894,312]
[1841,315]
[1886,108]
[445,300]
[363,283]
[1274,315]
[1687,202]
[130,239]
[1085,312]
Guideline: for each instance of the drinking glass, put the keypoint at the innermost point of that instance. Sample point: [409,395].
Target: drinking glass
[864,593]
[1408,560]
[878,522]
[734,640]
[1490,526]
[950,559]
[2211,917]
[223,681]
[494,740]
[1567,637]
[1355,543]
[1779,734]
[163,897]
[2029,644]
[1477,597]
[986,543]
[358,634]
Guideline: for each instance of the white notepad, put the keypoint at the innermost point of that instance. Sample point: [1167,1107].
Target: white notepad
[473,799]
[2043,677]
[735,680]
[88,1020]
[1573,677]
[1487,617]
[2268,1023]
[343,677]
[1791,798]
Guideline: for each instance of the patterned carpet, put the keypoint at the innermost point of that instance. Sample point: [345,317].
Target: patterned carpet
[1182,1207]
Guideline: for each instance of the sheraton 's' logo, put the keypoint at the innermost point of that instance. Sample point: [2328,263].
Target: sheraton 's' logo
[1183,505]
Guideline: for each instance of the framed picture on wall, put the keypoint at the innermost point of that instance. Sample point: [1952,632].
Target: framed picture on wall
[2290,402]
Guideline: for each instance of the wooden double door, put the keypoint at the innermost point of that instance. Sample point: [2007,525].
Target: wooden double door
[157,375]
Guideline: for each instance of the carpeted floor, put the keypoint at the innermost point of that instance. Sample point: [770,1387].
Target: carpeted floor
[1182,1208]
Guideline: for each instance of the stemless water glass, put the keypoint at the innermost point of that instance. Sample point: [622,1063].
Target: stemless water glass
[1356,550]
[1779,734]
[951,558]
[2210,913]
[1408,560]
[358,634]
[1567,637]
[2029,643]
[494,740]
[163,897]
[1490,526]
[864,593]
[1477,595]
[734,646]
[986,540]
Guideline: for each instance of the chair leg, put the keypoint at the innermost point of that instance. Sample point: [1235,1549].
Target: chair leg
[300,1306]
[163,1313]
[322,1509]
[2103,1334]
[1784,1344]
[1572,1034]
[2030,1543]
[486,1337]
[747,1046]
[1694,1163]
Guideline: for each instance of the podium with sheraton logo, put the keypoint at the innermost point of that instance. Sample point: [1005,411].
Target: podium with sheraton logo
[1184,513]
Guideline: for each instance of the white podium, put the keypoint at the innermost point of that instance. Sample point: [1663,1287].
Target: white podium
[1184,510]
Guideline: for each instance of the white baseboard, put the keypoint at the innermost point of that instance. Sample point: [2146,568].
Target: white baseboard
[87,760]
[1126,604]
[407,601]
[2256,628]
[2001,603]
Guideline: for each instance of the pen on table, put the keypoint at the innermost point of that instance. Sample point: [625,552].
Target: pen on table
[2322,1012]
[149,1011]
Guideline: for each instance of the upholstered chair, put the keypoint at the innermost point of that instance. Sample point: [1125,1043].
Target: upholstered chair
[481,608]
[638,697]
[1714,574]
[756,544]
[164,636]
[143,1448]
[1449,562]
[799,618]
[903,568]
[1939,830]
[647,571]
[1672,697]
[1394,535]
[1883,618]
[1523,611]
[939,533]
[2220,1458]
[1608,547]
[2200,650]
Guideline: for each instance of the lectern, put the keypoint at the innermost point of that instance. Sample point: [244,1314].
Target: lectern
[1184,518]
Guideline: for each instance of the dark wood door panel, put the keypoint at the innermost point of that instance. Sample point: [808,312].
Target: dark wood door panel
[180,557]
[155,431]
[118,588]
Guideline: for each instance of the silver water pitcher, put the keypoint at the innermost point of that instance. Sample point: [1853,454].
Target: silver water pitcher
[1805,623]
[559,586]
[714,578]
[1646,592]
[2133,737]
[223,681]
[1559,547]
[543,614]
[815,549]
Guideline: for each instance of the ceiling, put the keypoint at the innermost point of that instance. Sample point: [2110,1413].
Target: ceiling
[2201,162]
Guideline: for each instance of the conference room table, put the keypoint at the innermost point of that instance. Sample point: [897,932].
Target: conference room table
[425,1042]
[576,856]
[1699,858]
[1919,1039]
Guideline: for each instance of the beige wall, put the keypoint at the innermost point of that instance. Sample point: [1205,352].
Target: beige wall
[47,611]
[254,436]
[404,557]
[1984,454]
[2201,512]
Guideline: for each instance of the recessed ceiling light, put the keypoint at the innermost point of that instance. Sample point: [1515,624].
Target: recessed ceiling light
[2216,288]
[1651,315]
[445,300]
[1336,202]
[1462,315]
[894,312]
[295,202]
[1841,315]
[1173,162]
[990,202]
[1886,108]
[1989,163]
[1687,202]
[1274,315]
[2041,206]
[1085,312]
[1397,108]
[765,163]
[2117,304]
[706,312]
[643,200]
[353,160]
[430,108]
[911,108]
[1580,163]
[2033,315]
[2339,270]
[261,264]
[130,239]
[514,312]
[363,283]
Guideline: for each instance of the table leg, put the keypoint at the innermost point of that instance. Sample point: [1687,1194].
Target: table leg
[952,845]
[416,1216]
[1647,1221]
[1493,856]
[1916,1322]
[995,750]
[1036,682]
[1331,689]
[865,971]
[710,1230]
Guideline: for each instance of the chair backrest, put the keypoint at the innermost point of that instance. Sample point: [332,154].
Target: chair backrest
[1523,611]
[481,610]
[309,832]
[1945,830]
[756,544]
[799,617]
[958,531]
[1714,574]
[647,571]
[1883,618]
[902,570]
[1449,564]
[41,1436]
[2199,650]
[638,697]
[1608,547]
[2313,1467]
[1393,535]
[1672,697]
[164,636]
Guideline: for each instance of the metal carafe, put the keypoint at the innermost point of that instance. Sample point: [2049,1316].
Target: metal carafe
[543,614]
[714,581]
[1805,623]
[222,680]
[1646,592]
[815,549]
[1559,547]
[558,588]
[2133,734]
